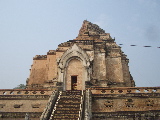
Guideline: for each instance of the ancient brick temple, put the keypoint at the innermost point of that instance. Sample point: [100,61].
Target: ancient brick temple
[86,78]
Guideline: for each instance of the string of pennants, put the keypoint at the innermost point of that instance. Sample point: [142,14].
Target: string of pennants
[137,45]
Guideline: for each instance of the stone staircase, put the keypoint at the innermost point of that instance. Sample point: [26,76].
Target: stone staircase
[69,106]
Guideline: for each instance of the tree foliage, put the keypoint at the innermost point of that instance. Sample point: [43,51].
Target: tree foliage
[21,86]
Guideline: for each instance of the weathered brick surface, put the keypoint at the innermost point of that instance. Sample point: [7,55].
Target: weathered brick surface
[100,67]
[23,105]
[38,72]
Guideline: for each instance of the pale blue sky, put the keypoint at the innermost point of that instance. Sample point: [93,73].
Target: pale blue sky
[33,27]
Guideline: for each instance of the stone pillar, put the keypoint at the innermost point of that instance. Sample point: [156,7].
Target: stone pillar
[114,70]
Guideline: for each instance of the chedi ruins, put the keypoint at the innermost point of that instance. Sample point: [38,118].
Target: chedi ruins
[86,78]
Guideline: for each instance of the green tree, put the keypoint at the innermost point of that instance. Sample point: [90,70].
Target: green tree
[21,86]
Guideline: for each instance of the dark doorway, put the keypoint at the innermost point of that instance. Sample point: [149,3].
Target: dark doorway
[73,82]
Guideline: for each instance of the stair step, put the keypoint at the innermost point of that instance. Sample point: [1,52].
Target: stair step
[71,96]
[66,102]
[71,92]
[69,101]
[67,109]
[67,112]
[65,119]
[66,116]
[69,105]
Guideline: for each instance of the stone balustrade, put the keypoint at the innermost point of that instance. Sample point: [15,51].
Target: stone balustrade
[24,92]
[88,105]
[98,90]
[125,90]
[81,106]
[50,105]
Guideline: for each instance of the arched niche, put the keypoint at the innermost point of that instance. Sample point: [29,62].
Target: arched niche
[74,54]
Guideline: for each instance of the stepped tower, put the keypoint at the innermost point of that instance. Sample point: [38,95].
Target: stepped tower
[92,59]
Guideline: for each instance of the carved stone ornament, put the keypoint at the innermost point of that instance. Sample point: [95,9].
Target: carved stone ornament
[37,105]
[2,105]
[17,105]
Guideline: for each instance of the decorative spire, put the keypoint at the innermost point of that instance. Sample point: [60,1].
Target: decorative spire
[91,28]
[90,31]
